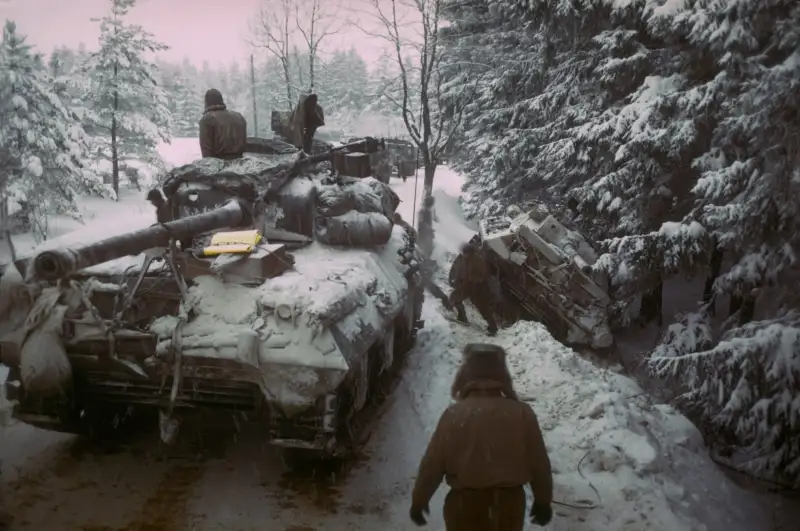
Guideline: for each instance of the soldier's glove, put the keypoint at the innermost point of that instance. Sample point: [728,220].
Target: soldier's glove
[541,514]
[417,514]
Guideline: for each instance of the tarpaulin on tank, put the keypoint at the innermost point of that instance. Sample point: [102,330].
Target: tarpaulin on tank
[355,214]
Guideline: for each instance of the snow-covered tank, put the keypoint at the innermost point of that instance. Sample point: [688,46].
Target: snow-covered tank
[270,287]
[546,269]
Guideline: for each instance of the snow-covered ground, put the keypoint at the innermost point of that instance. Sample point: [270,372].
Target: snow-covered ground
[620,461]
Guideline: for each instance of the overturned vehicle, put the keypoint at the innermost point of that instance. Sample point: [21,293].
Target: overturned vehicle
[546,271]
[269,287]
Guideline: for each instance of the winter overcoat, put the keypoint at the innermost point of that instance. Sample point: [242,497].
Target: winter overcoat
[223,133]
[485,440]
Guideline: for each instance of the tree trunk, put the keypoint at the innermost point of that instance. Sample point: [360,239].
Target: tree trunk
[745,304]
[651,308]
[6,221]
[715,265]
[311,61]
[114,158]
[287,78]
[430,171]
[748,310]
[114,153]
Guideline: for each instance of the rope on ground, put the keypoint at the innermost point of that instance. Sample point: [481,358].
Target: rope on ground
[575,506]
[597,493]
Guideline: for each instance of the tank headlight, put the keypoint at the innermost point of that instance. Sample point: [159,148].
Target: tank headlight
[284,311]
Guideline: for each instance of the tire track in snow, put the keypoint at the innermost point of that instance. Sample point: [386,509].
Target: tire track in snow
[166,507]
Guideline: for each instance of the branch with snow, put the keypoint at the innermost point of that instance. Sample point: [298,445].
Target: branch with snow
[747,385]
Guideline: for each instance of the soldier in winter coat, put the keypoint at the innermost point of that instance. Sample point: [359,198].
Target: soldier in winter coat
[487,446]
[469,277]
[306,118]
[223,133]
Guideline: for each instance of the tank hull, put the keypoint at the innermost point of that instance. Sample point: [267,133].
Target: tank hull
[281,353]
[546,270]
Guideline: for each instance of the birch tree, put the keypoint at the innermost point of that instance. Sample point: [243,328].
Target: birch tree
[292,29]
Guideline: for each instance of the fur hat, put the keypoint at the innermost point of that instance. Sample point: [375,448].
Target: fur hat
[482,363]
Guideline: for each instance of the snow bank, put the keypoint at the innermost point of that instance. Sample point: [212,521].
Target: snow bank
[450,226]
[179,151]
[621,460]
[642,464]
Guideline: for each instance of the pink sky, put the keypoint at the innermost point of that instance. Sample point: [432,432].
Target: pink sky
[212,30]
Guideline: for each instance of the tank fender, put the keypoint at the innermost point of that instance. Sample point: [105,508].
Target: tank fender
[361,383]
[388,349]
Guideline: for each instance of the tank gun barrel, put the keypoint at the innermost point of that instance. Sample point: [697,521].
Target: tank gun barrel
[58,263]
[367,145]
[288,172]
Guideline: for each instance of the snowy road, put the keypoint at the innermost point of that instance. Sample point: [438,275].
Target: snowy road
[632,465]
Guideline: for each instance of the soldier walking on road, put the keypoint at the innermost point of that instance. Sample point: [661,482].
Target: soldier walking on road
[470,278]
[487,446]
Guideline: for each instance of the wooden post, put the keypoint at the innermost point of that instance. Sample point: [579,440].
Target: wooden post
[253,85]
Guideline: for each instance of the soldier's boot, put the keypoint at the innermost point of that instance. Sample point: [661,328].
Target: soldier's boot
[461,312]
[487,312]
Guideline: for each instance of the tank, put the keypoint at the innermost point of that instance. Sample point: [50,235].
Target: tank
[380,161]
[547,270]
[398,156]
[405,157]
[235,298]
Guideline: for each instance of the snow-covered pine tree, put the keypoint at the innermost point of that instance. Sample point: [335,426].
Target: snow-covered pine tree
[43,137]
[270,94]
[745,377]
[383,85]
[184,101]
[342,85]
[130,108]
[673,126]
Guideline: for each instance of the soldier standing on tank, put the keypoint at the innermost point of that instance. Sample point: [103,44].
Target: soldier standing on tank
[487,446]
[306,118]
[223,133]
[469,276]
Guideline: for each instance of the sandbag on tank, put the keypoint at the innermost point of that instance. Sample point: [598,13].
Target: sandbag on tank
[44,367]
[371,195]
[355,229]
[334,200]
[368,198]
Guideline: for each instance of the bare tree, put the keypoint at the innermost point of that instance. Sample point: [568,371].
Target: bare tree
[272,31]
[316,23]
[284,27]
[413,30]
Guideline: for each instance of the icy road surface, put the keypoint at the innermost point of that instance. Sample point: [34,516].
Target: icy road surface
[621,462]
